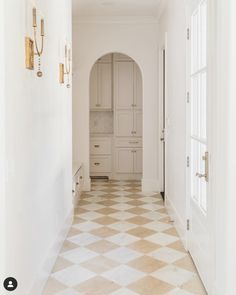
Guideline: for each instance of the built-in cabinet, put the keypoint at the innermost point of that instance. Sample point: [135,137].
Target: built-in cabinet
[116,85]
[101,90]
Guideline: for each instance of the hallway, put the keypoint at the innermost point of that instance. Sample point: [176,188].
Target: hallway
[122,242]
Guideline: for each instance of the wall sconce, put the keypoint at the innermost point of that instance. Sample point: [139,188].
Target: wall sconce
[65,68]
[32,47]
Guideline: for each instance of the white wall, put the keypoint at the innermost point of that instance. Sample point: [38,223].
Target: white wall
[140,42]
[173,22]
[38,146]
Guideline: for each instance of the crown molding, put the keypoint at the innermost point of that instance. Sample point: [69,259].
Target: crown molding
[162,7]
[115,20]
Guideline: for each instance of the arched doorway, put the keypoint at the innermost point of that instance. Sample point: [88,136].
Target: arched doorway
[116,123]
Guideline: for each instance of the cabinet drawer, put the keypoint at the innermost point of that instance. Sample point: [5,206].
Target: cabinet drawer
[100,146]
[100,164]
[128,142]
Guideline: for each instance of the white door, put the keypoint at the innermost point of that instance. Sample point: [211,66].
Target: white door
[124,123]
[105,85]
[199,241]
[124,85]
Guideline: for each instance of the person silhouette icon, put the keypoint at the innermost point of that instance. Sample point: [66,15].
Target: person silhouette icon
[10,284]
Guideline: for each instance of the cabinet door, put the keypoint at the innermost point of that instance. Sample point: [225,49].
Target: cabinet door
[138,89]
[124,123]
[138,161]
[105,85]
[138,123]
[94,87]
[124,85]
[124,160]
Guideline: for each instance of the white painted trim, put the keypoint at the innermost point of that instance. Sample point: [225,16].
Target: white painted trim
[87,185]
[114,20]
[49,262]
[179,223]
[162,8]
[150,185]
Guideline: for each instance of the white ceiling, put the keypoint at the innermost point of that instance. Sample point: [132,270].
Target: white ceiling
[119,8]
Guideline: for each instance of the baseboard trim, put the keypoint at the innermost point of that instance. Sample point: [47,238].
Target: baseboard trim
[179,223]
[46,269]
[150,185]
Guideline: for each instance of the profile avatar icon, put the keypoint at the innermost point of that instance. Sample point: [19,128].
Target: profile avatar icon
[10,284]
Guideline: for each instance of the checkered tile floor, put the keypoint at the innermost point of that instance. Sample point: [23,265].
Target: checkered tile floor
[122,243]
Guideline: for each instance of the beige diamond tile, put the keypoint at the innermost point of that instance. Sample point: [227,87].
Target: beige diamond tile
[80,210]
[141,232]
[60,264]
[135,203]
[78,220]
[139,220]
[107,211]
[178,245]
[97,286]
[99,264]
[52,287]
[137,210]
[102,246]
[195,286]
[144,246]
[186,263]
[68,246]
[147,264]
[107,202]
[104,232]
[172,231]
[150,286]
[73,232]
[106,220]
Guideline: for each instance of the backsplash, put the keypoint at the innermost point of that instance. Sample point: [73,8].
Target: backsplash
[101,122]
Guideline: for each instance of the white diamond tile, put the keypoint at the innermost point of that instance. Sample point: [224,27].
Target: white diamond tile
[68,292]
[154,215]
[123,199]
[124,291]
[87,226]
[90,215]
[167,255]
[123,275]
[162,239]
[95,193]
[178,291]
[123,255]
[79,255]
[173,275]
[121,193]
[122,215]
[122,239]
[84,239]
[122,206]
[93,206]
[158,226]
[122,226]
[151,206]
[73,275]
[147,194]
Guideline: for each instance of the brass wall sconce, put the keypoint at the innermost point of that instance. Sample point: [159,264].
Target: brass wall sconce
[65,68]
[32,48]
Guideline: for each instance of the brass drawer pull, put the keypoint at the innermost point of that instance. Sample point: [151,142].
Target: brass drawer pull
[133,142]
[97,164]
[96,145]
